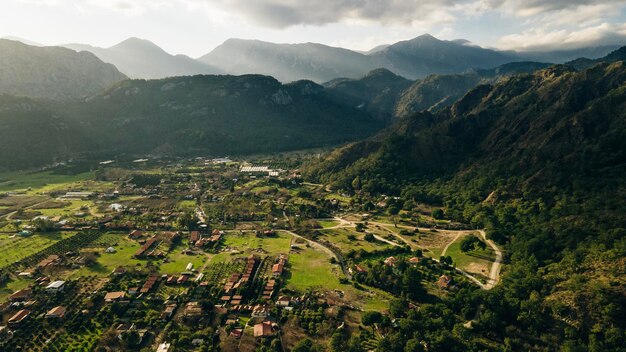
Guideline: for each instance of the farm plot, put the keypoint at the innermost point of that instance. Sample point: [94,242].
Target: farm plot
[15,248]
[42,181]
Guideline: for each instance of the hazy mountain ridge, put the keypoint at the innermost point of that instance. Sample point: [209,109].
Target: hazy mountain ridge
[52,72]
[139,58]
[288,62]
[388,96]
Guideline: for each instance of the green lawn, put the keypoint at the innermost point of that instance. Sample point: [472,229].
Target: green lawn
[328,223]
[107,262]
[339,238]
[247,242]
[471,261]
[177,261]
[312,269]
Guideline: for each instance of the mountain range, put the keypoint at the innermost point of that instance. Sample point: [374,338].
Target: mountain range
[94,110]
[412,59]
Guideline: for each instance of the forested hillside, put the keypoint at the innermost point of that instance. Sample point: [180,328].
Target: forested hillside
[183,116]
[538,160]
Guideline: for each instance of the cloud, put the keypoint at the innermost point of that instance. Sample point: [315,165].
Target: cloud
[545,39]
[535,7]
[285,13]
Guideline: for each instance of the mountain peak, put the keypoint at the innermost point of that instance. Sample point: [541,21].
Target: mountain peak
[425,37]
[137,43]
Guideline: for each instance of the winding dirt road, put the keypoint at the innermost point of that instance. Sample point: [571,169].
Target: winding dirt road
[496,267]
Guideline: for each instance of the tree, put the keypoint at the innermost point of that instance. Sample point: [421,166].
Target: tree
[370,318]
[305,345]
[398,307]
[369,237]
[438,214]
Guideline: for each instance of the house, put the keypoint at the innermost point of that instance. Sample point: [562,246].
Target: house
[78,195]
[194,236]
[149,284]
[110,250]
[114,296]
[55,286]
[56,312]
[236,333]
[277,269]
[119,270]
[192,310]
[21,295]
[283,301]
[182,280]
[391,261]
[135,234]
[263,329]
[19,317]
[360,269]
[260,311]
[414,260]
[169,311]
[444,282]
[116,207]
[146,246]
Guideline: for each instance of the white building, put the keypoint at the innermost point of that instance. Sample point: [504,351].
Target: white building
[55,286]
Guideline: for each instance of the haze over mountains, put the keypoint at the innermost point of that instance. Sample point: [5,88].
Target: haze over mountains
[52,72]
[412,59]
[138,58]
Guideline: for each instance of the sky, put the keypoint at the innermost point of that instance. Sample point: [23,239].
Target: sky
[195,27]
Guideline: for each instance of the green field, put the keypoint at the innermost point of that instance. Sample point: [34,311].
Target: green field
[177,261]
[43,181]
[475,258]
[15,248]
[339,238]
[310,268]
[327,223]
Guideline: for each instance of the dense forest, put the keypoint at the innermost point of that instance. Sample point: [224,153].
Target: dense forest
[538,160]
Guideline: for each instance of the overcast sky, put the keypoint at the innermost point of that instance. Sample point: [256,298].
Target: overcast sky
[194,27]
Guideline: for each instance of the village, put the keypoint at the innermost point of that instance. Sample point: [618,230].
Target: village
[211,254]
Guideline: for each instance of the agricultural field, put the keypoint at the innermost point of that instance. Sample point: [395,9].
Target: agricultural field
[39,181]
[15,247]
